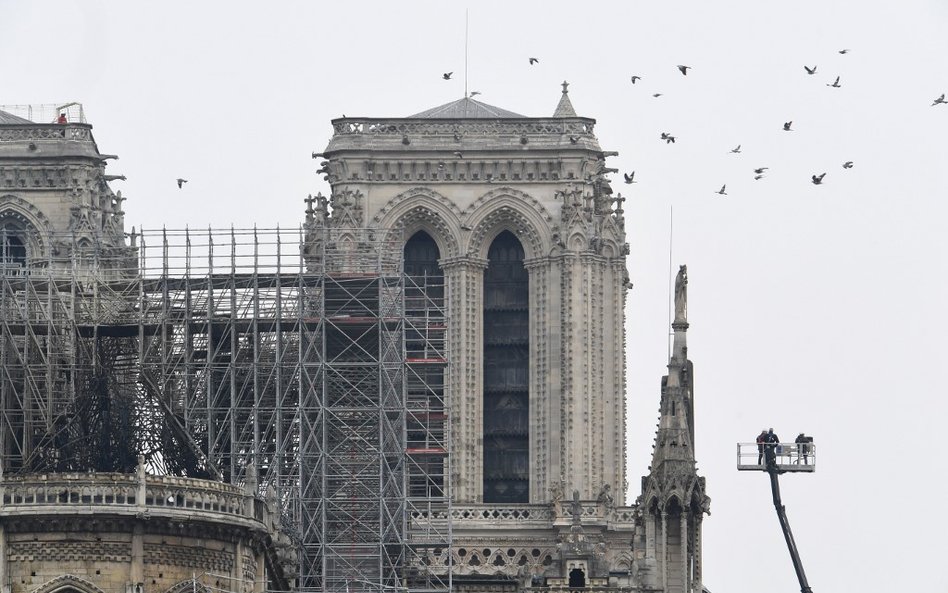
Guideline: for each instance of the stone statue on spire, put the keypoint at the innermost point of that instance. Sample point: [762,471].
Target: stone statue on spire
[681,295]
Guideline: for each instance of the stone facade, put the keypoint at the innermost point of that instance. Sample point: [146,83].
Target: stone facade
[464,174]
[55,196]
[120,533]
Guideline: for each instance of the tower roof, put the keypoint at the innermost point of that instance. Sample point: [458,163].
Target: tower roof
[10,119]
[565,107]
[466,108]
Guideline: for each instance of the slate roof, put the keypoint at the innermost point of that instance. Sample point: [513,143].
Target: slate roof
[9,118]
[466,108]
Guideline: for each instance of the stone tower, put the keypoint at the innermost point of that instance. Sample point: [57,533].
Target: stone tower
[673,500]
[518,215]
[56,207]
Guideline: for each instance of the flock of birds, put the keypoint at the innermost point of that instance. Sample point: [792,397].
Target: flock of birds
[759,172]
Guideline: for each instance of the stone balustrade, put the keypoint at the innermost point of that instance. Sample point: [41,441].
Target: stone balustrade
[537,516]
[125,494]
[479,127]
[71,131]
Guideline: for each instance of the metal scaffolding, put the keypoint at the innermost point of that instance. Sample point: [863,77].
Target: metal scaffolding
[304,361]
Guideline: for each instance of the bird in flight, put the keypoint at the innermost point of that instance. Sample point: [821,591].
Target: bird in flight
[447,75]
[736,149]
[668,138]
[758,177]
[835,84]
[634,78]
[684,69]
[818,179]
[458,154]
[786,126]
[848,165]
[475,93]
[656,95]
[533,61]
[181,182]
[940,100]
[721,191]
[844,51]
[810,70]
[760,170]
[630,178]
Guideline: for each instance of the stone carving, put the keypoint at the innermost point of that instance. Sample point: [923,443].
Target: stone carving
[605,496]
[681,295]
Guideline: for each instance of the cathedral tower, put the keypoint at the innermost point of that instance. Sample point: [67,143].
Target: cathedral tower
[518,216]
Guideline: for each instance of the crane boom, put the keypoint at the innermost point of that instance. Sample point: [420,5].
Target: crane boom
[785,526]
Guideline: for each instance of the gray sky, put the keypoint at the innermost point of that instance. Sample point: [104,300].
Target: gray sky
[812,308]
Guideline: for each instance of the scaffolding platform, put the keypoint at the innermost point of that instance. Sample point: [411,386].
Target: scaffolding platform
[790,457]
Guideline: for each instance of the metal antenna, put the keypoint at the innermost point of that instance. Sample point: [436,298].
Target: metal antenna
[671,235]
[465,53]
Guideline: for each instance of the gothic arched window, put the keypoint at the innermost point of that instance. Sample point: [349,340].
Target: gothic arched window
[425,354]
[12,249]
[506,373]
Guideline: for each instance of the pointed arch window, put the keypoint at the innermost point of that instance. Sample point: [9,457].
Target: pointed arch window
[506,373]
[12,249]
[424,351]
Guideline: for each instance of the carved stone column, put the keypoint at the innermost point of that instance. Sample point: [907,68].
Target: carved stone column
[464,282]
[544,360]
[698,585]
[685,576]
[664,551]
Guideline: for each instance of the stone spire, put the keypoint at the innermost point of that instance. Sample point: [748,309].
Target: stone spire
[565,107]
[672,493]
[675,438]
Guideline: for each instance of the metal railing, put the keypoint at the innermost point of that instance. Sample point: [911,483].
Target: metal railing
[788,456]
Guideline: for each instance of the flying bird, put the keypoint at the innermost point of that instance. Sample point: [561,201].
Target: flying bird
[844,51]
[656,95]
[573,139]
[447,75]
[634,78]
[848,165]
[786,126]
[458,154]
[810,70]
[835,84]
[940,100]
[533,61]
[758,177]
[760,170]
[736,150]
[181,182]
[684,69]
[818,179]
[668,138]
[475,93]
[630,178]
[721,191]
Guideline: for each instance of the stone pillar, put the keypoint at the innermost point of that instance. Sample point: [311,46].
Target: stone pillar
[698,581]
[685,573]
[464,283]
[615,422]
[664,551]
[4,573]
[136,570]
[544,359]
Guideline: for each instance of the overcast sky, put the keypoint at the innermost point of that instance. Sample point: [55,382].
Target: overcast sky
[812,308]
